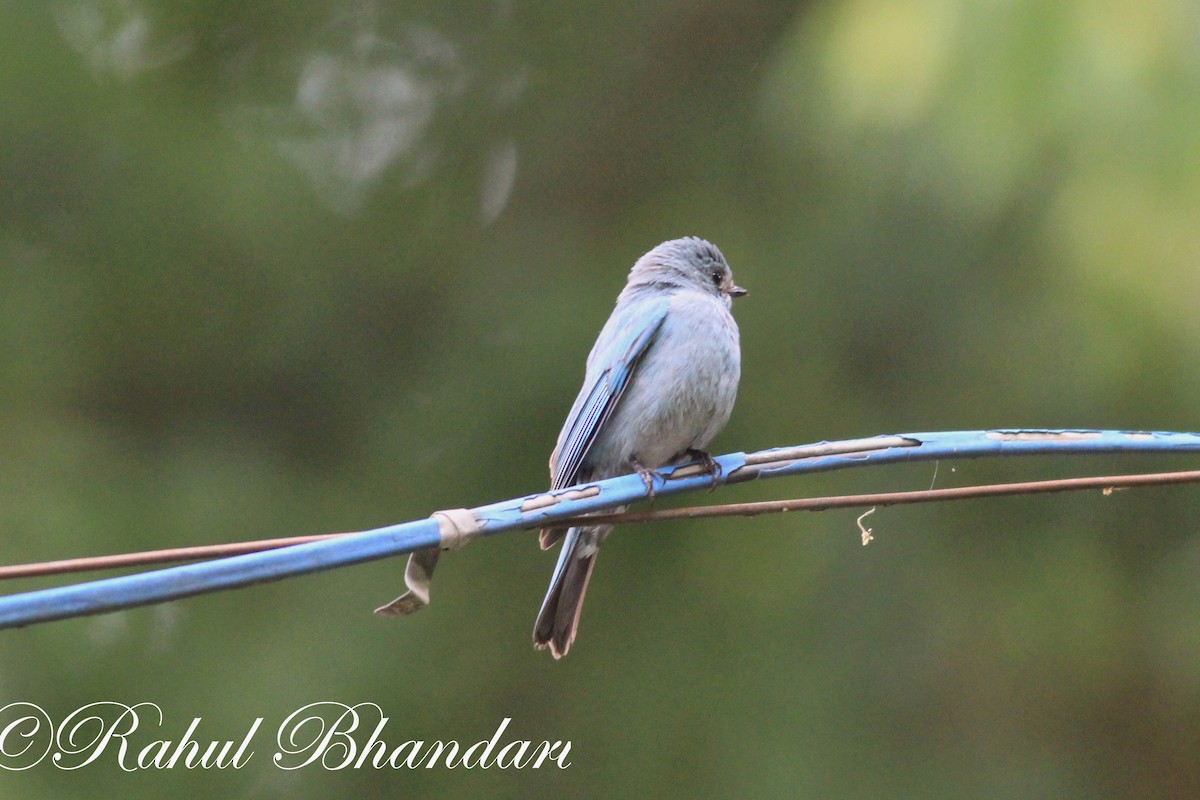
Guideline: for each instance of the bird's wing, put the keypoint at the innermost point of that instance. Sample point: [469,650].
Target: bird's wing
[598,398]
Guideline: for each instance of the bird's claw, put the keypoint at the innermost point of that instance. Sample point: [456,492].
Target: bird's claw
[709,464]
[647,475]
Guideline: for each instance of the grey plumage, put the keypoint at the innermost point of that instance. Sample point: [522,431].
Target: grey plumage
[661,381]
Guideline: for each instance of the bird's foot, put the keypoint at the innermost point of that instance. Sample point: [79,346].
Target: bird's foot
[647,475]
[708,463]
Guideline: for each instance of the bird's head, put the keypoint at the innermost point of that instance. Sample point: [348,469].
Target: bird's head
[687,263]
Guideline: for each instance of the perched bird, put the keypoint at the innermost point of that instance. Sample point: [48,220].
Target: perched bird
[660,383]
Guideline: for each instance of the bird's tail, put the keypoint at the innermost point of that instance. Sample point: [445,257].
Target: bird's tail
[558,619]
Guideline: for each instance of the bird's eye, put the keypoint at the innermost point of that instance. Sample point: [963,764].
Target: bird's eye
[717,276]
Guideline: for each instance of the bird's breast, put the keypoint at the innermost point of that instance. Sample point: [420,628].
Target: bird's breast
[681,393]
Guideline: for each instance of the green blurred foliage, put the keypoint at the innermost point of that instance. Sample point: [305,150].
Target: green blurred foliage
[294,267]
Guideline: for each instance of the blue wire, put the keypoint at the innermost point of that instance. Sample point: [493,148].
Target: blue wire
[531,511]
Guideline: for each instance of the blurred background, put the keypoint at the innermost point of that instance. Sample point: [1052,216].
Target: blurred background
[284,268]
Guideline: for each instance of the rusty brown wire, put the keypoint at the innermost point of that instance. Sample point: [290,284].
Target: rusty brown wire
[203,552]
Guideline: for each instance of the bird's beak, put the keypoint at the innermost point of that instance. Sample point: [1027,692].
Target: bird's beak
[736,291]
